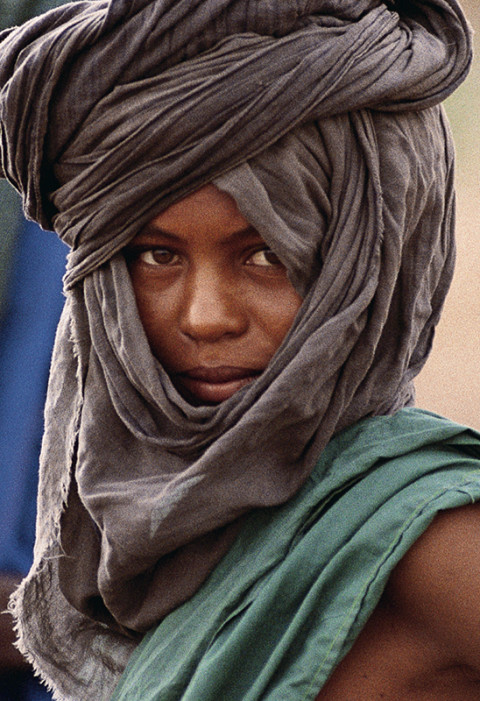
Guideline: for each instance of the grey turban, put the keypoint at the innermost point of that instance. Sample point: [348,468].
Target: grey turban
[321,119]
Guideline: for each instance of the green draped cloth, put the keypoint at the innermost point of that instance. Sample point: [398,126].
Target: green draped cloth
[287,602]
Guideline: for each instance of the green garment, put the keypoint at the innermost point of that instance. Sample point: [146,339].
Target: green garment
[14,12]
[287,602]
[10,216]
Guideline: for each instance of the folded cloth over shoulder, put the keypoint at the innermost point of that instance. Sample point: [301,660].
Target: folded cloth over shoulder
[321,119]
[288,601]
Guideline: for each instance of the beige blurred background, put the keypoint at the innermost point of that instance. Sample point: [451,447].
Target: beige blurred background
[450,382]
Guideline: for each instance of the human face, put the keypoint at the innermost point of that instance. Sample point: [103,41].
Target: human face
[214,300]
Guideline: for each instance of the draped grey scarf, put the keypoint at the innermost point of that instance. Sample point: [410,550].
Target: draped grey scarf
[320,118]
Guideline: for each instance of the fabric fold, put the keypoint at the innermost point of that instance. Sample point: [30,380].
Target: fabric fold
[286,67]
[290,598]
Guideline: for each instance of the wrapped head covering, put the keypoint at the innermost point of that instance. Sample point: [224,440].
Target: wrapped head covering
[320,118]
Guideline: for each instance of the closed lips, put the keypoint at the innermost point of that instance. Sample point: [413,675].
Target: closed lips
[214,384]
[219,374]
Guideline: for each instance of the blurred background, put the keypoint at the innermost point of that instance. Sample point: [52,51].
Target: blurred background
[450,382]
[31,267]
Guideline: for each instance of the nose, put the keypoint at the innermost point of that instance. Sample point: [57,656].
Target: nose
[212,308]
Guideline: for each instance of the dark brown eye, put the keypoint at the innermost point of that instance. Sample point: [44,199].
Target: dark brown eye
[264,257]
[158,256]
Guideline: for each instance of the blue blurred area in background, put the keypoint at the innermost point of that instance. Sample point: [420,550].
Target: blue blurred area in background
[26,337]
[32,308]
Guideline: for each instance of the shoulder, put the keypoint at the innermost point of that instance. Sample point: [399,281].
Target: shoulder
[436,586]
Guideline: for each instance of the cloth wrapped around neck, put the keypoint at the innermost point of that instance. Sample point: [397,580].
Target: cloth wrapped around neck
[320,118]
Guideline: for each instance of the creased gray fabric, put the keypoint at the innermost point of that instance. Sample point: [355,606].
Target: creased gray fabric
[320,119]
[271,65]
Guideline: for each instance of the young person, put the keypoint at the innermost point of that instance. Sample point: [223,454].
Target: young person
[237,496]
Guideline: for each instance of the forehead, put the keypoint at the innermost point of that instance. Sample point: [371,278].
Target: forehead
[206,213]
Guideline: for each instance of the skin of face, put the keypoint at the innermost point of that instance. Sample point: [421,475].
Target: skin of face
[214,300]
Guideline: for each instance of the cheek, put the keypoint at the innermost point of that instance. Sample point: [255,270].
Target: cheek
[278,312]
[157,318]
